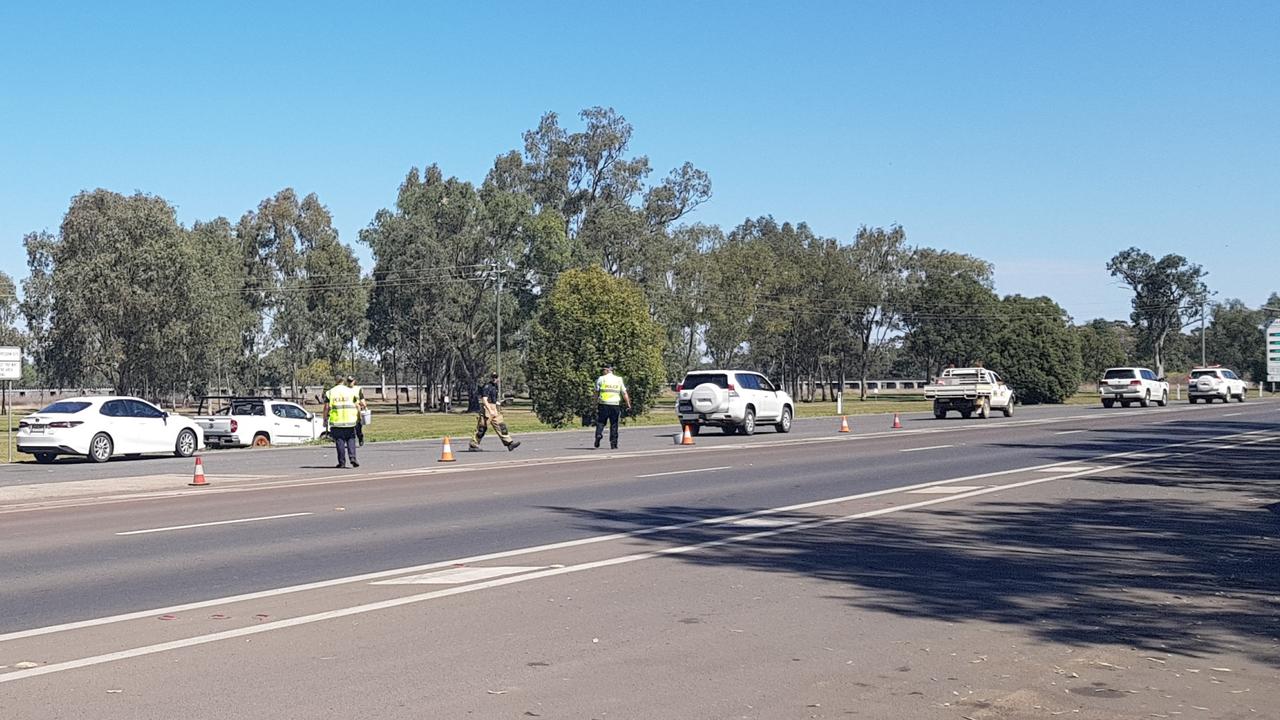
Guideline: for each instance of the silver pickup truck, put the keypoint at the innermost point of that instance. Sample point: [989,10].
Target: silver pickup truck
[969,391]
[260,422]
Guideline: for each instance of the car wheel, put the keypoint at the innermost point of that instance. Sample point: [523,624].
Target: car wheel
[1164,399]
[984,409]
[784,424]
[1124,403]
[1191,400]
[261,440]
[186,445]
[729,429]
[966,414]
[1008,409]
[1240,397]
[100,448]
[748,426]
[940,414]
[1146,399]
[1108,403]
[695,428]
[46,458]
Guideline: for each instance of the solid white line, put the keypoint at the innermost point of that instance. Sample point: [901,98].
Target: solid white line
[683,472]
[1231,414]
[211,524]
[931,447]
[550,572]
[1069,432]
[517,552]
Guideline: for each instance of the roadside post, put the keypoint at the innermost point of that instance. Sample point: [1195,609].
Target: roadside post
[10,370]
[840,402]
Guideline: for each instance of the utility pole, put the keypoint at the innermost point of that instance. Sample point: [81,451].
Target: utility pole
[1202,353]
[497,313]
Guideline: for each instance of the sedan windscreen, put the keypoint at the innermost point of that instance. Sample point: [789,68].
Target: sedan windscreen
[65,407]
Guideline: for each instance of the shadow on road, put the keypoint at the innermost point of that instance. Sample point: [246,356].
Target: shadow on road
[1192,568]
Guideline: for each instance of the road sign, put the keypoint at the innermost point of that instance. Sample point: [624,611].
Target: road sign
[10,363]
[1273,351]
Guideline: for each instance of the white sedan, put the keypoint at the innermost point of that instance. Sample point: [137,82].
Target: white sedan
[100,428]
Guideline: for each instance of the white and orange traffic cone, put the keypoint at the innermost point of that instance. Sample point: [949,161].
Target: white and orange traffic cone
[688,436]
[897,424]
[197,480]
[844,423]
[446,452]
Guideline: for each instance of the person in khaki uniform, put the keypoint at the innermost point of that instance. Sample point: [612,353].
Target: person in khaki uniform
[490,415]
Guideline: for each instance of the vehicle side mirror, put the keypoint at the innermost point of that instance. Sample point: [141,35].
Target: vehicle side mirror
[1162,379]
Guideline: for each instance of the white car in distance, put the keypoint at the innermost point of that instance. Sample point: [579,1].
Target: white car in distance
[1215,383]
[734,400]
[100,428]
[1128,385]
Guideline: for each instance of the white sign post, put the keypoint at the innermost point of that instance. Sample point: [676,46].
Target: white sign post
[1273,351]
[10,370]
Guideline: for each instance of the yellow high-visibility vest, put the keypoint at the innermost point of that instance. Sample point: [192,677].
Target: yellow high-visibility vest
[609,388]
[342,406]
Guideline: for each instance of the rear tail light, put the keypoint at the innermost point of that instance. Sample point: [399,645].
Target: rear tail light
[235,426]
[729,387]
[66,424]
[1135,382]
[23,423]
[679,387]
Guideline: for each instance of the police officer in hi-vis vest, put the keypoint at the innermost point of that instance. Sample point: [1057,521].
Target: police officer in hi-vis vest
[611,391]
[342,414]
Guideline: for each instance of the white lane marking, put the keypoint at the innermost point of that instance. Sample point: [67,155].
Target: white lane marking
[1069,468]
[211,524]
[947,489]
[1231,414]
[685,472]
[764,522]
[459,575]
[552,571]
[1069,432]
[930,447]
[320,584]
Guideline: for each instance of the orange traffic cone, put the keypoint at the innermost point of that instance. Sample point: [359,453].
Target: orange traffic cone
[897,424]
[844,423]
[198,480]
[688,437]
[446,452]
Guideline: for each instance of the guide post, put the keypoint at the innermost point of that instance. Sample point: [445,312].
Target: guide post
[10,370]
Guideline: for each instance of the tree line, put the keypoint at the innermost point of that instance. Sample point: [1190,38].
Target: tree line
[124,295]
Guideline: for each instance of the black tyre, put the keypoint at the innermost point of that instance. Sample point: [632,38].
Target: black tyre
[1124,403]
[46,458]
[940,414]
[1240,397]
[729,429]
[1108,403]
[984,409]
[748,426]
[784,422]
[1146,399]
[966,414]
[1164,399]
[695,428]
[262,440]
[1008,409]
[100,448]
[1191,400]
[186,444]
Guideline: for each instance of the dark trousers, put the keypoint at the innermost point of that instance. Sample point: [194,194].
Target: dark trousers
[608,414]
[345,439]
[360,432]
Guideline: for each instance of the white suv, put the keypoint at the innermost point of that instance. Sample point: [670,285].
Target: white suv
[734,400]
[1212,383]
[1132,384]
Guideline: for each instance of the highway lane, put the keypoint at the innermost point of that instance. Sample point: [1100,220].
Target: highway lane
[309,461]
[72,563]
[1131,575]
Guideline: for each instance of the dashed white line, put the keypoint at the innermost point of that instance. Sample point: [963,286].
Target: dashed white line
[685,472]
[930,447]
[211,524]
[1069,432]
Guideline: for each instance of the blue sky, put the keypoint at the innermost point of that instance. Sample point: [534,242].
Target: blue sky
[1044,137]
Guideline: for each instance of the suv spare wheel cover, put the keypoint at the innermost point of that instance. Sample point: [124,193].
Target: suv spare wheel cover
[708,397]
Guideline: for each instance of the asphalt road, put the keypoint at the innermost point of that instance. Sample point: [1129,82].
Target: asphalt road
[1100,563]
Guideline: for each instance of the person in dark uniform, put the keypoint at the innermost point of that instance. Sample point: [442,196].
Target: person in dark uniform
[490,415]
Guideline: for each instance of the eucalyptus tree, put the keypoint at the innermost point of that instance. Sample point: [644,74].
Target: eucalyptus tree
[1168,295]
[950,309]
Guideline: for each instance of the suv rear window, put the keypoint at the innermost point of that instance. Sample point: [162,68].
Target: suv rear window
[693,380]
[1204,373]
[65,407]
[1119,374]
